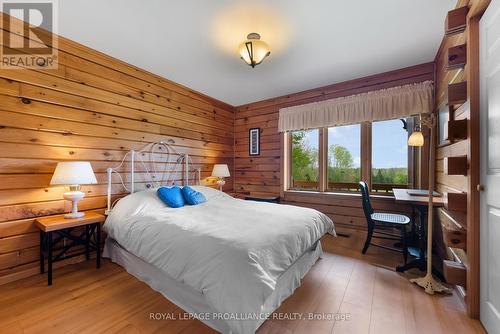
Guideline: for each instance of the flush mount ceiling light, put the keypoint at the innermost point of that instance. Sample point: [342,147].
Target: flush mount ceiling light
[253,50]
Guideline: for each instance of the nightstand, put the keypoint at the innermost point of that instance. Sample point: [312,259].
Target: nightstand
[56,228]
[271,199]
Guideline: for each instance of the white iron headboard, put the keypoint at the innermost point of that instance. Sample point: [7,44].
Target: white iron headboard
[158,153]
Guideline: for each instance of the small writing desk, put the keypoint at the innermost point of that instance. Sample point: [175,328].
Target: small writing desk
[420,203]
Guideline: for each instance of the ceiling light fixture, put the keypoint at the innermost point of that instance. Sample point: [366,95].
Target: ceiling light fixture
[253,50]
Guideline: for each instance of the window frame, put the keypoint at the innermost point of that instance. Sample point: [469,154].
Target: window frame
[365,164]
[290,168]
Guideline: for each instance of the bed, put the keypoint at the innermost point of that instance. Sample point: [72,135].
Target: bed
[227,261]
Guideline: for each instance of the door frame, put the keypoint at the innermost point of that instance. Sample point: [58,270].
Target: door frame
[473,205]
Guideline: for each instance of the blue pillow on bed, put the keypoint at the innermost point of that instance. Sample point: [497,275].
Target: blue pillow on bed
[193,197]
[171,196]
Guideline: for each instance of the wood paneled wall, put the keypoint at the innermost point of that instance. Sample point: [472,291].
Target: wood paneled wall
[93,108]
[260,175]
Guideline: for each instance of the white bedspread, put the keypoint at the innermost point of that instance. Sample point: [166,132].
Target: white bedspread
[231,250]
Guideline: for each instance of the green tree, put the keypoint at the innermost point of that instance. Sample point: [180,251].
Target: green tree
[396,175]
[341,165]
[340,157]
[304,158]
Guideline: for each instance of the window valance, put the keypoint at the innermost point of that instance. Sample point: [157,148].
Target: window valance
[384,104]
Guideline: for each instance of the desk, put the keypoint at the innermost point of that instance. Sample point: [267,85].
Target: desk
[420,203]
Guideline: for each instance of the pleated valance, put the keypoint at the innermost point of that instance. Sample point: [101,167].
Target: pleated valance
[384,104]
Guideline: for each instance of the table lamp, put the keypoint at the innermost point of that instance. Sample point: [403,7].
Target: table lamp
[73,174]
[221,171]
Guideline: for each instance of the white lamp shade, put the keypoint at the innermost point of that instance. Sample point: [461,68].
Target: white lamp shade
[221,170]
[73,173]
[416,139]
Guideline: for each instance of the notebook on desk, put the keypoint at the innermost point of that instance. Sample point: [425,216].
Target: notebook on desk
[422,192]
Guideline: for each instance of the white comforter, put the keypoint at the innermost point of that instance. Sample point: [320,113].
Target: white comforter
[231,250]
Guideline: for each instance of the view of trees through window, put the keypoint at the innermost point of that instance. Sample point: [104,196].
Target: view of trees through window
[389,154]
[343,165]
[305,166]
[344,157]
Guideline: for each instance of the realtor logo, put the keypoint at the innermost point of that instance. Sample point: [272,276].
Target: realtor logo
[28,35]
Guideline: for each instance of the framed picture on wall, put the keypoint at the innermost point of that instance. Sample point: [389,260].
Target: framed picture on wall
[254,141]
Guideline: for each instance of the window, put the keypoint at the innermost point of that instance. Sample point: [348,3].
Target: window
[305,160]
[344,158]
[389,155]
[334,159]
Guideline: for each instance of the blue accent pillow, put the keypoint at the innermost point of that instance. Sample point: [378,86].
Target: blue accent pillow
[193,197]
[171,196]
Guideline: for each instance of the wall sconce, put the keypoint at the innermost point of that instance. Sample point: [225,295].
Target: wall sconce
[417,137]
[253,50]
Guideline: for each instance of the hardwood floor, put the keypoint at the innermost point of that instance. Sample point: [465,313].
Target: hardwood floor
[109,300]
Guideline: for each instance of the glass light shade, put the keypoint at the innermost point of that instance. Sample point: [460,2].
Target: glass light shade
[221,170]
[253,51]
[73,173]
[416,139]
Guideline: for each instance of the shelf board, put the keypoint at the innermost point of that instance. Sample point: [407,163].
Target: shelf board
[459,113]
[456,20]
[456,202]
[455,130]
[458,255]
[454,230]
[455,273]
[455,220]
[457,93]
[457,57]
[455,165]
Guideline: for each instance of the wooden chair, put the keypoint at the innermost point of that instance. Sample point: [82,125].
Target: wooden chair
[379,223]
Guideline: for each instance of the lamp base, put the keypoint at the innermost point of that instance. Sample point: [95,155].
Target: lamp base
[73,215]
[74,197]
[430,285]
[221,183]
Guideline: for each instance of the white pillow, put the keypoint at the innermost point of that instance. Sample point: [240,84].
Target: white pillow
[132,204]
[210,193]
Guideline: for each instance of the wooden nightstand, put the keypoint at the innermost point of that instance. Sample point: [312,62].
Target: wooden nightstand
[271,199]
[61,227]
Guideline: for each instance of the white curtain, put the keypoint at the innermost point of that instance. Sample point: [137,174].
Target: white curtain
[384,104]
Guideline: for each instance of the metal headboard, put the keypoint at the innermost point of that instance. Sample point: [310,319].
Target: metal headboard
[154,177]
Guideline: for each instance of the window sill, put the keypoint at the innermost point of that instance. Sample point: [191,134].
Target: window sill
[312,193]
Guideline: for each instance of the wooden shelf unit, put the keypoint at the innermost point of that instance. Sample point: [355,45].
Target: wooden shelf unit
[457,85]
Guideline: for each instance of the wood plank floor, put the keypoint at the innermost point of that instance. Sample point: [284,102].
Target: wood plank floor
[374,298]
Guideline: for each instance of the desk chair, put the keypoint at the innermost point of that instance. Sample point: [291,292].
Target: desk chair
[379,223]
